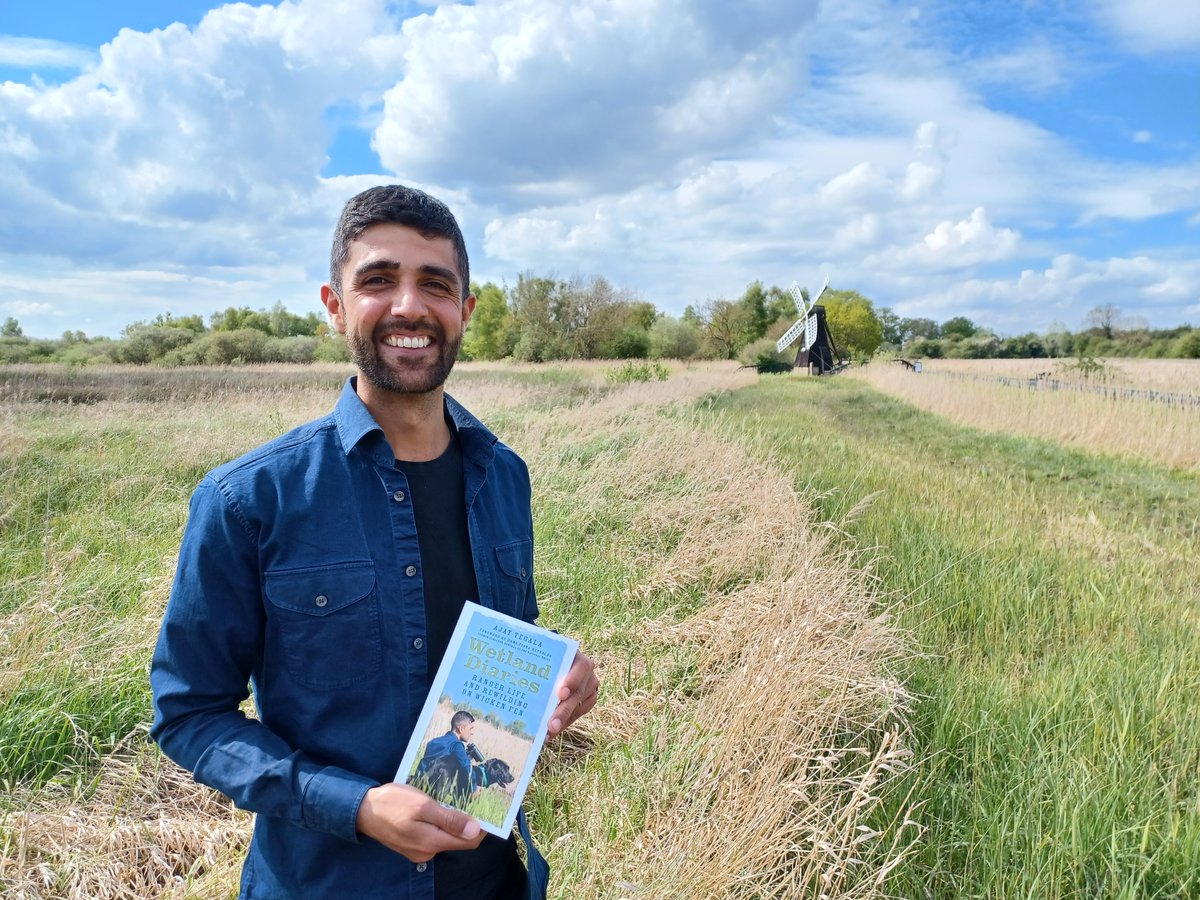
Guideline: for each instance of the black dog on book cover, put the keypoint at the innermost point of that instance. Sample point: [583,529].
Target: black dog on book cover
[447,778]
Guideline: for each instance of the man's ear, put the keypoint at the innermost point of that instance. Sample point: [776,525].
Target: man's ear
[468,307]
[333,306]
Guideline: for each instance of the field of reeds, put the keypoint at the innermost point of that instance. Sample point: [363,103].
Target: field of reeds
[1051,592]
[752,737]
[1110,407]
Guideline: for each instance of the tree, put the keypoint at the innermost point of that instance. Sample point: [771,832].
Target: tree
[1103,319]
[754,301]
[724,326]
[852,321]
[11,328]
[919,328]
[893,333]
[959,325]
[489,332]
[781,305]
[672,338]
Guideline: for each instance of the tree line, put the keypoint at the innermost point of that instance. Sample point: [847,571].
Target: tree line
[543,319]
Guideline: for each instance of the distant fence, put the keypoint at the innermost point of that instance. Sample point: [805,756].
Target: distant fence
[1112,392]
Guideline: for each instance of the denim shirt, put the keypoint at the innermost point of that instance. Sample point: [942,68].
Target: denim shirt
[299,574]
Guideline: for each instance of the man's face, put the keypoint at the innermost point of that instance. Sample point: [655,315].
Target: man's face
[465,731]
[401,308]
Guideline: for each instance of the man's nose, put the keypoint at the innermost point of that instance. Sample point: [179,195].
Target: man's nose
[407,301]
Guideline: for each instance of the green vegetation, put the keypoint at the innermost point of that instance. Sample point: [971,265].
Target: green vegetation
[1055,596]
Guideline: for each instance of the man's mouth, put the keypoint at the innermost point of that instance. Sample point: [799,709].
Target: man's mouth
[411,343]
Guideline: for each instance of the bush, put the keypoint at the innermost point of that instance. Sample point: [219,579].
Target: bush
[149,343]
[762,353]
[332,349]
[292,349]
[672,338]
[631,342]
[634,371]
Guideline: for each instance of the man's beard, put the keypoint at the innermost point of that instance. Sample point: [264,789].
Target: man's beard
[400,380]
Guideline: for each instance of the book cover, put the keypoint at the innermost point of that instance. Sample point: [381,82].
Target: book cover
[485,719]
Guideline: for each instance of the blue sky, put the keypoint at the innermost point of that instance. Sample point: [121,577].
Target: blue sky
[1018,163]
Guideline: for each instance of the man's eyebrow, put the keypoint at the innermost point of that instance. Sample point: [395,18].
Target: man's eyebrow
[391,265]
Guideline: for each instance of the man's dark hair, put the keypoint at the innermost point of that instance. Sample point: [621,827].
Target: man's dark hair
[404,206]
[460,718]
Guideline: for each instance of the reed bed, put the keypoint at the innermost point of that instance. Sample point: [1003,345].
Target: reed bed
[1182,375]
[1157,432]
[750,725]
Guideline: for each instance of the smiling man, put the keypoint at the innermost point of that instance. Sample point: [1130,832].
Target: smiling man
[327,569]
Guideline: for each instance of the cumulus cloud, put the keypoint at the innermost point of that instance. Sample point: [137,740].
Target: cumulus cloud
[181,144]
[967,242]
[521,98]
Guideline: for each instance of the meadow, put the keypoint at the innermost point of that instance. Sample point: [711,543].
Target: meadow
[967,392]
[850,648]
[752,718]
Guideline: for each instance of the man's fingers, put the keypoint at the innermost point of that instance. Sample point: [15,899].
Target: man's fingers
[452,821]
[578,694]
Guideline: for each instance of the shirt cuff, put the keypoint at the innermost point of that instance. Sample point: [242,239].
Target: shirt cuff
[331,801]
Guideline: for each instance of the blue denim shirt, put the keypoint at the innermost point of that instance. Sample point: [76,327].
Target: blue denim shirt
[299,574]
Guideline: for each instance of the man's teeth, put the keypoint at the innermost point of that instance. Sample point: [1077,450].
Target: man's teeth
[414,343]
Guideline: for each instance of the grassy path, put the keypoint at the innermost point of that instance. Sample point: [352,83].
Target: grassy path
[1055,596]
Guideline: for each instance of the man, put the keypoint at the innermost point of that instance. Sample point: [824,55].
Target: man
[327,569]
[456,745]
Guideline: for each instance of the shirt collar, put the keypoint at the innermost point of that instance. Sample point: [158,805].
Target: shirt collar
[354,422]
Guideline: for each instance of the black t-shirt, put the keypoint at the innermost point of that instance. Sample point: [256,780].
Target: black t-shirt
[493,871]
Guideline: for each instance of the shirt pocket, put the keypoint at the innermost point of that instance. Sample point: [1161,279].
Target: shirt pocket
[325,622]
[515,563]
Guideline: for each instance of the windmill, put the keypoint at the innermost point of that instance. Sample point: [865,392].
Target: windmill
[818,353]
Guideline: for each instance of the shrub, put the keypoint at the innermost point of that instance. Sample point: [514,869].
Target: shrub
[635,371]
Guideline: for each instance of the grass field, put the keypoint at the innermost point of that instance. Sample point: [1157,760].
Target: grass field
[1158,432]
[1054,595]
[849,648]
[751,726]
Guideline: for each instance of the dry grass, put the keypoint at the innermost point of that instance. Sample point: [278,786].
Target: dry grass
[1158,432]
[1179,375]
[767,761]
[147,831]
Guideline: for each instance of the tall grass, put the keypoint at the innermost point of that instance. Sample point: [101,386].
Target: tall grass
[1161,433]
[751,728]
[1054,594]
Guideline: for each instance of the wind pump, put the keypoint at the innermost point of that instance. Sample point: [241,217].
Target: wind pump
[818,353]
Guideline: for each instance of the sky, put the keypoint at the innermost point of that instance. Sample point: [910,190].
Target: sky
[1018,163]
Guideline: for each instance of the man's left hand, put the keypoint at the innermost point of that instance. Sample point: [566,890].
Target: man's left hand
[577,694]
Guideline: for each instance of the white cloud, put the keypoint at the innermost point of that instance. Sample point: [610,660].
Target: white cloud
[967,242]
[517,97]
[38,53]
[1153,26]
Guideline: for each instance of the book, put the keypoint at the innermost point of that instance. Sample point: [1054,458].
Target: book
[503,675]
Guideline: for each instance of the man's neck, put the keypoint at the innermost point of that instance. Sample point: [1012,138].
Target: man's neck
[414,424]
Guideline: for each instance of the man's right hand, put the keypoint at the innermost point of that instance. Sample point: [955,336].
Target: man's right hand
[412,823]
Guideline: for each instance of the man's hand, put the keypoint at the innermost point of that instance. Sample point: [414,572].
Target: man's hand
[577,695]
[415,825]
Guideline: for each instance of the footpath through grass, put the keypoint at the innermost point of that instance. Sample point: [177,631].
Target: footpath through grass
[1055,595]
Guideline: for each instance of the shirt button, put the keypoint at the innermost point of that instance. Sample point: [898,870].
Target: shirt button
[398,496]
[410,571]
[522,573]
[418,643]
[321,600]
[421,867]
